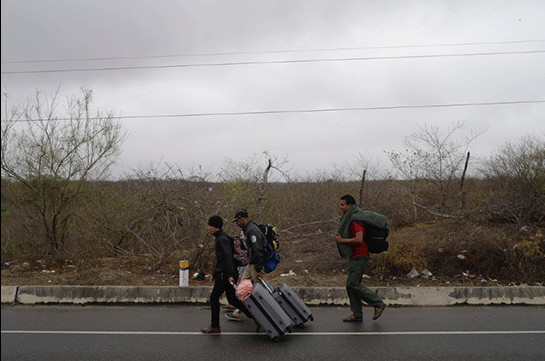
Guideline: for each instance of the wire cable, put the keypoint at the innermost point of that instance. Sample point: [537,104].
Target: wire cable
[271,62]
[273,51]
[316,110]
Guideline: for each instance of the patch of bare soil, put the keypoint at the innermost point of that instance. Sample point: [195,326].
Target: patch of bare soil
[133,271]
[304,262]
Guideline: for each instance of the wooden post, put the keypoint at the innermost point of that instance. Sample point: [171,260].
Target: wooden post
[361,187]
[263,187]
[462,190]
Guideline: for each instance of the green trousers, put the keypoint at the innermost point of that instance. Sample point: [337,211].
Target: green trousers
[356,291]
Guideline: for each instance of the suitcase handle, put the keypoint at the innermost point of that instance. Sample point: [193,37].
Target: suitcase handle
[265,284]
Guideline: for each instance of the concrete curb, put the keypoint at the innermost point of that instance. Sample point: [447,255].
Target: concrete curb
[313,296]
[8,294]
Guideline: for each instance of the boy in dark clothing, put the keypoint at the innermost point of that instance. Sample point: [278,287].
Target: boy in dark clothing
[224,274]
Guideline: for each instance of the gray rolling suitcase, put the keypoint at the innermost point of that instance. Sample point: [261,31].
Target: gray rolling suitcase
[292,304]
[267,312]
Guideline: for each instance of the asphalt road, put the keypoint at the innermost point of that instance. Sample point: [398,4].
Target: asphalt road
[172,333]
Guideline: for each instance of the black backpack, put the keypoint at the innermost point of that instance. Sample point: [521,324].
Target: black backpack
[376,238]
[272,258]
[376,231]
[269,231]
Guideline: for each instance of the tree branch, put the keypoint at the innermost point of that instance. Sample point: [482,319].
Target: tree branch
[433,212]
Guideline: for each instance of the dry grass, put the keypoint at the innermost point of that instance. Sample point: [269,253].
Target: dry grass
[135,232]
[434,246]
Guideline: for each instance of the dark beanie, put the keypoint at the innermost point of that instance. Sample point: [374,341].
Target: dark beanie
[215,221]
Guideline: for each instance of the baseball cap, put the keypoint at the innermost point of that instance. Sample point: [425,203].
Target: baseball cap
[240,214]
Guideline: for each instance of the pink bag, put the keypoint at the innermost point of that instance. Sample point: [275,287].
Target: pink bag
[244,289]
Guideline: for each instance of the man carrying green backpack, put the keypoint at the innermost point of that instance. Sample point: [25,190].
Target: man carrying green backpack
[351,245]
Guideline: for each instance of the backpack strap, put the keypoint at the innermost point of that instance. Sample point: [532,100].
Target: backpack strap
[360,222]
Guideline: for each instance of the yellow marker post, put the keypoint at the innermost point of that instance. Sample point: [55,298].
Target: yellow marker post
[184,273]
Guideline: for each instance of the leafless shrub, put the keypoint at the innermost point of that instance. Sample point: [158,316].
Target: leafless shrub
[516,175]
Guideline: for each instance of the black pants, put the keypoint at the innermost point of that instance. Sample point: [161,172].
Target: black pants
[221,285]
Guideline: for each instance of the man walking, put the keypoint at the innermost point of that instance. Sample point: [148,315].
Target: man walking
[351,245]
[256,242]
[224,274]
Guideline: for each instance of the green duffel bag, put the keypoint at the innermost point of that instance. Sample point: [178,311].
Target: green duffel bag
[374,219]
[376,231]
[345,250]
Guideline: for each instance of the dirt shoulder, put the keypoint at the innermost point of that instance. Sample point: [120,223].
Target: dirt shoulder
[132,271]
[434,253]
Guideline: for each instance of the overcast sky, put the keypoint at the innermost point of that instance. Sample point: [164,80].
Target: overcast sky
[266,41]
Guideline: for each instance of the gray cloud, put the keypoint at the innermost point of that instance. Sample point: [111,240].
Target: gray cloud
[64,29]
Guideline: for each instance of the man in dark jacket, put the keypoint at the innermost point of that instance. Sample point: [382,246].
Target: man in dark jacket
[256,242]
[224,274]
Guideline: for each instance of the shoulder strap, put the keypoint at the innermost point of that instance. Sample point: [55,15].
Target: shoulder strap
[360,222]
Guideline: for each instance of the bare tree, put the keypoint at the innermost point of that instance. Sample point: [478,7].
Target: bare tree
[517,175]
[434,159]
[52,157]
[248,183]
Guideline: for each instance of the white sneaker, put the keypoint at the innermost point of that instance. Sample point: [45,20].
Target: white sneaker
[232,317]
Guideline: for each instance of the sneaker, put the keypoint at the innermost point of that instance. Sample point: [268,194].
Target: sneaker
[232,317]
[229,308]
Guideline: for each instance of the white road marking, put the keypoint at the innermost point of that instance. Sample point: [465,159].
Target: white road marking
[167,333]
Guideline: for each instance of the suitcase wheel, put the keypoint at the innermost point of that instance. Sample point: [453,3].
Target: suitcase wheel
[289,329]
